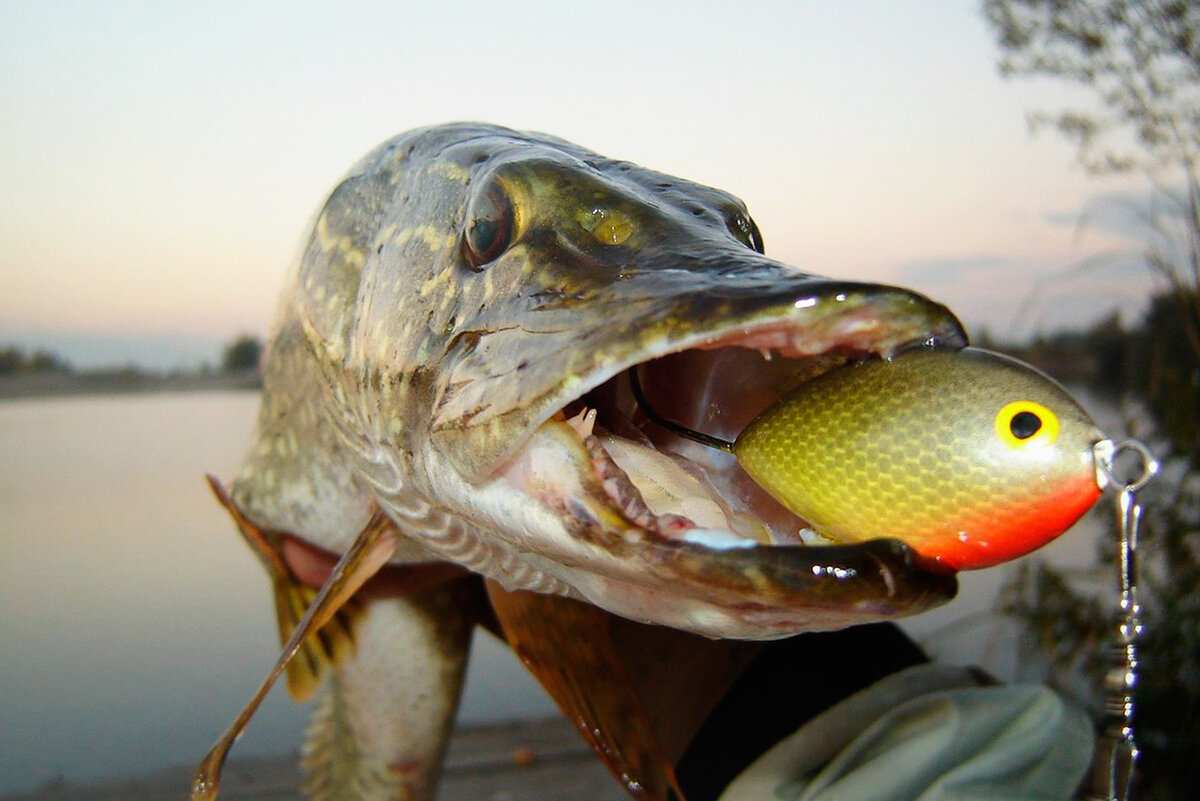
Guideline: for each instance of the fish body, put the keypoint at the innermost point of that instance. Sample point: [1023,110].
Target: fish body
[970,457]
[453,353]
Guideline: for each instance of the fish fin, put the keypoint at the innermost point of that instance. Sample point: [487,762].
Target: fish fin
[372,548]
[382,719]
[332,643]
[679,677]
[568,646]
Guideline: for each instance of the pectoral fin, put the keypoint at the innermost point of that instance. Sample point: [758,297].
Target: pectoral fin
[568,646]
[332,643]
[371,550]
[382,720]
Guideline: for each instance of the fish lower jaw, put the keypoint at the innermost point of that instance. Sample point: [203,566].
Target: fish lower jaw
[563,517]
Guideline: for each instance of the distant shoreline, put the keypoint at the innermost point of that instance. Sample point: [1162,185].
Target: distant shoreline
[53,384]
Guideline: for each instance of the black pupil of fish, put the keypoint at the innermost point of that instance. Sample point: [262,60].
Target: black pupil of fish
[1024,425]
[483,234]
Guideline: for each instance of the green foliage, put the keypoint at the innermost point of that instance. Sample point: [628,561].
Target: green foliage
[1065,631]
[1099,355]
[241,354]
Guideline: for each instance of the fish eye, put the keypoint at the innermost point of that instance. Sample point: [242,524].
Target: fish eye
[1022,424]
[746,231]
[489,226]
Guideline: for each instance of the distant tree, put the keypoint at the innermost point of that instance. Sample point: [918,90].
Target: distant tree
[1166,370]
[241,354]
[45,361]
[12,360]
[15,360]
[1141,58]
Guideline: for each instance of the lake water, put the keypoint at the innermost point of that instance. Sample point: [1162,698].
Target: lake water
[135,623]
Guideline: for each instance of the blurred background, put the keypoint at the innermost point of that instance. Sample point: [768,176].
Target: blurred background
[1030,164]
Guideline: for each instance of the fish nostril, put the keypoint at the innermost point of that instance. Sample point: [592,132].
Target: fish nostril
[607,226]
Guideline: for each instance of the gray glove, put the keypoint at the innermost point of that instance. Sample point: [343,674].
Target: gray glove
[928,733]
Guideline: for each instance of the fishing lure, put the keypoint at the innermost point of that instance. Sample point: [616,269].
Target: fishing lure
[970,457]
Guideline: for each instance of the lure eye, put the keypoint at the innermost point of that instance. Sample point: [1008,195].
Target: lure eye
[489,227]
[1023,424]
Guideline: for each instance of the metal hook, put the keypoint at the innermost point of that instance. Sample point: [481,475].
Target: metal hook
[635,384]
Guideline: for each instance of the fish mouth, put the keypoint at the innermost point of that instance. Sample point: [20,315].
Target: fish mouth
[673,485]
[673,510]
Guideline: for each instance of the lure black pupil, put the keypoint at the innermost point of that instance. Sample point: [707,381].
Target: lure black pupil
[1024,425]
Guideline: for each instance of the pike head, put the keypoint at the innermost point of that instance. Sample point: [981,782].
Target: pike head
[457,348]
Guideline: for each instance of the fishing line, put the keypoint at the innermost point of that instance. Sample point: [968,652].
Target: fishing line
[635,383]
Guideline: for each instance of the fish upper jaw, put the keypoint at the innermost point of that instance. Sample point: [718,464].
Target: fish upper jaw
[494,387]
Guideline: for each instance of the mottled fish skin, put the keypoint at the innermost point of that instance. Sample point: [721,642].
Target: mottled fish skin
[402,374]
[381,724]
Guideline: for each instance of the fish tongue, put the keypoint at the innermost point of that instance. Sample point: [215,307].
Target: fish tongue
[371,551]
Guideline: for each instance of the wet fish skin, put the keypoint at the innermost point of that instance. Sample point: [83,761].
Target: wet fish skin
[401,374]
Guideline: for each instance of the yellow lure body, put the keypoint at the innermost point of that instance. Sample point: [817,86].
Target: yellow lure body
[970,457]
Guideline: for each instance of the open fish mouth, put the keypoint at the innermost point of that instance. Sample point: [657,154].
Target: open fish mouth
[676,487]
[682,518]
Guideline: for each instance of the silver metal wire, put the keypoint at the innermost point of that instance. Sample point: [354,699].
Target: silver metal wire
[1120,683]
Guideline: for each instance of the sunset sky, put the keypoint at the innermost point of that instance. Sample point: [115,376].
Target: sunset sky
[160,162]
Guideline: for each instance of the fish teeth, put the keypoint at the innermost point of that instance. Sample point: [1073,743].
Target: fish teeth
[584,422]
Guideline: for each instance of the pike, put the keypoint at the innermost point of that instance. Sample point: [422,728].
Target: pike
[450,370]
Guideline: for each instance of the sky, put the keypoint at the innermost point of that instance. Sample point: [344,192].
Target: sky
[160,162]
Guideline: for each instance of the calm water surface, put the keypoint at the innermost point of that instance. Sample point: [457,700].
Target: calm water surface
[135,623]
